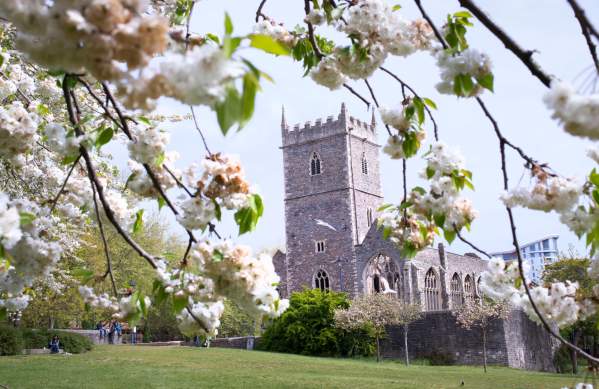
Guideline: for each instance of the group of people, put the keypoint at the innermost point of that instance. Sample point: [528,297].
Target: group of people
[111,328]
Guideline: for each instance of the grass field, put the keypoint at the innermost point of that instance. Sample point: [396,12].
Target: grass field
[186,367]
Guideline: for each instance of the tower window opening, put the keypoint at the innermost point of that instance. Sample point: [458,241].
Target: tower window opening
[315,167]
[364,164]
[321,281]
[320,246]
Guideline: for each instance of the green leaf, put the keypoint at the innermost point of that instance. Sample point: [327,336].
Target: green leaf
[384,207]
[596,196]
[439,220]
[230,45]
[430,172]
[139,221]
[429,102]
[419,109]
[179,303]
[449,235]
[160,159]
[142,305]
[217,256]
[396,7]
[594,177]
[104,137]
[248,98]
[213,38]
[144,120]
[228,24]
[267,44]
[228,112]
[462,14]
[69,159]
[159,293]
[161,202]
[41,109]
[83,275]
[419,189]
[486,81]
[217,210]
[247,218]
[26,218]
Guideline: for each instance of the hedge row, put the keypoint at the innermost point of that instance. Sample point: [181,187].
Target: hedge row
[14,340]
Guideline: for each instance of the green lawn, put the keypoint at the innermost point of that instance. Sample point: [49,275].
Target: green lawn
[186,367]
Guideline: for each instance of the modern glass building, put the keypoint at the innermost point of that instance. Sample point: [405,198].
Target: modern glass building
[538,254]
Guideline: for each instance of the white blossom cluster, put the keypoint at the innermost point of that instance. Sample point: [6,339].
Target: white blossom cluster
[33,256]
[279,33]
[102,301]
[94,35]
[149,145]
[407,230]
[378,32]
[199,76]
[129,306]
[579,114]
[207,313]
[222,183]
[557,302]
[60,141]
[18,132]
[406,128]
[547,194]
[238,275]
[443,165]
[10,223]
[470,62]
[140,183]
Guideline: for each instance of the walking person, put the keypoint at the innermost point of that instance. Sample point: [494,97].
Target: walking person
[134,335]
[100,328]
[111,331]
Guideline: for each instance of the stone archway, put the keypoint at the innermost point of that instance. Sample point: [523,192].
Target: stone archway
[381,275]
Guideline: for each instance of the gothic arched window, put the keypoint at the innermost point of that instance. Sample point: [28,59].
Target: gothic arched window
[364,164]
[468,289]
[321,280]
[431,291]
[456,291]
[315,165]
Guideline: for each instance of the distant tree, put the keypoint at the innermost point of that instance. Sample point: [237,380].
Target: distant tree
[236,322]
[376,311]
[308,327]
[479,315]
[575,270]
[408,313]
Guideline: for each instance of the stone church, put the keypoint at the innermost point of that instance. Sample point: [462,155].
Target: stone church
[332,193]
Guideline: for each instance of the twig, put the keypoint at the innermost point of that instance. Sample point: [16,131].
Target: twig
[311,31]
[405,85]
[64,184]
[376,103]
[430,23]
[104,243]
[94,179]
[195,122]
[470,243]
[197,319]
[524,55]
[585,26]
[587,22]
[349,88]
[259,11]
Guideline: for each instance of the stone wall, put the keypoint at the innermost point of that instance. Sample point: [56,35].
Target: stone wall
[242,342]
[94,336]
[516,342]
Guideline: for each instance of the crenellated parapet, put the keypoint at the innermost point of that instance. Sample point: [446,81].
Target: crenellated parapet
[325,127]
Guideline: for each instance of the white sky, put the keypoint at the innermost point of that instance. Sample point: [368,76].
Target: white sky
[547,26]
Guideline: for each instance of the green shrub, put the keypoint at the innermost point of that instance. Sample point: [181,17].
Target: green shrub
[307,327]
[70,342]
[235,322]
[11,341]
[440,359]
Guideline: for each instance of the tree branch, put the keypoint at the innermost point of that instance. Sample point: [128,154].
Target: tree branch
[353,91]
[524,55]
[259,11]
[586,27]
[64,184]
[104,243]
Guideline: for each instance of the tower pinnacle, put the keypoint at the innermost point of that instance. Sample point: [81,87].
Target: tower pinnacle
[284,125]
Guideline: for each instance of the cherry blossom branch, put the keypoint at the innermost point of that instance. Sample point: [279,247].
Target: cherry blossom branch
[376,103]
[104,243]
[524,55]
[311,31]
[64,184]
[578,9]
[430,22]
[460,237]
[405,85]
[195,122]
[27,99]
[585,26]
[259,11]
[353,91]
[502,146]
[197,319]
[95,181]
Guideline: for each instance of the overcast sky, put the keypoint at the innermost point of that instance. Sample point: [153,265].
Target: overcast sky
[547,26]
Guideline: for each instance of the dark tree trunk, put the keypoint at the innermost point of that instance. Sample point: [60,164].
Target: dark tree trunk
[405,343]
[378,349]
[484,349]
[573,355]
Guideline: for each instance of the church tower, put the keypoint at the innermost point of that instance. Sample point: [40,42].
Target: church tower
[332,192]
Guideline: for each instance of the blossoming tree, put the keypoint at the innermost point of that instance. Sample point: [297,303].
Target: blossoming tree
[477,314]
[76,76]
